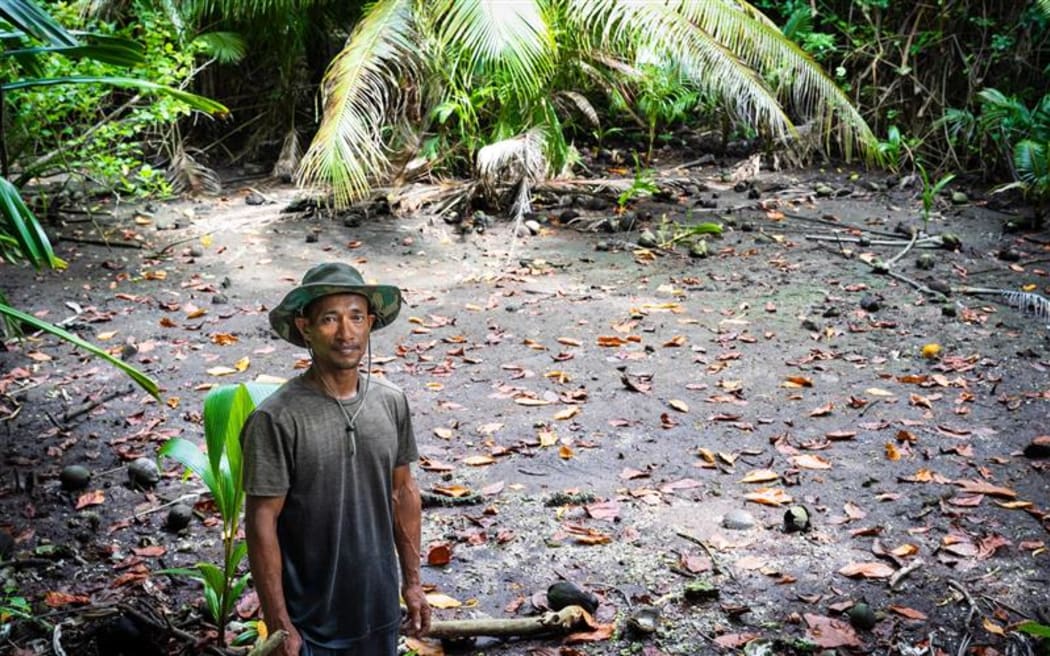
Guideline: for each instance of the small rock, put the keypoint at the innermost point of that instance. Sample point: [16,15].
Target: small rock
[823,190]
[738,520]
[567,593]
[220,299]
[951,241]
[143,472]
[568,215]
[796,519]
[226,282]
[869,303]
[872,185]
[959,198]
[74,477]
[1007,254]
[700,590]
[708,203]
[601,246]
[698,249]
[831,312]
[196,251]
[862,617]
[178,517]
[948,310]
[753,193]
[741,186]
[811,325]
[1039,447]
[643,619]
[940,286]
[522,231]
[311,237]
[7,545]
[925,261]
[647,239]
[533,227]
[255,198]
[353,220]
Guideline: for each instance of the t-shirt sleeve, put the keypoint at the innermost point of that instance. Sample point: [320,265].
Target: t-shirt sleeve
[406,437]
[267,460]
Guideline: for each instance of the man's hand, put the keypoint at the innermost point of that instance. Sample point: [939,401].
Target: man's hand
[293,642]
[417,624]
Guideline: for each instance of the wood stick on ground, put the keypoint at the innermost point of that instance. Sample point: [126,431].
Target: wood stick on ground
[562,621]
[88,406]
[952,583]
[904,571]
[710,554]
[270,645]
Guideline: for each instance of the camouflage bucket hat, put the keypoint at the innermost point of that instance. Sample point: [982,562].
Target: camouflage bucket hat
[384,301]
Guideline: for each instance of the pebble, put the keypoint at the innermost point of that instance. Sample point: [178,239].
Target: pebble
[143,472]
[254,198]
[647,239]
[959,198]
[179,517]
[925,261]
[74,477]
[196,251]
[869,303]
[533,226]
[738,520]
[220,299]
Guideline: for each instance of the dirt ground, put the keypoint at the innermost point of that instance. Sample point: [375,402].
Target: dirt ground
[609,414]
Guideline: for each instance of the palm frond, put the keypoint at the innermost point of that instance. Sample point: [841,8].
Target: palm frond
[764,47]
[510,36]
[580,102]
[26,16]
[291,154]
[225,47]
[1045,6]
[188,176]
[1029,303]
[713,67]
[357,94]
[1032,163]
[518,161]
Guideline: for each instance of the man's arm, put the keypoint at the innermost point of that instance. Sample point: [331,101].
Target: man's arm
[264,556]
[407,529]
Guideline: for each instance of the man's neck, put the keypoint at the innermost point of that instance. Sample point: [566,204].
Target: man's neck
[338,383]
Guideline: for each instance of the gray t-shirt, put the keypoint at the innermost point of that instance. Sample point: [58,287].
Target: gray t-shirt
[336,528]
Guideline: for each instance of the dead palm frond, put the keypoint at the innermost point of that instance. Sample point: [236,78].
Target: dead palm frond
[291,154]
[516,162]
[188,176]
[1028,303]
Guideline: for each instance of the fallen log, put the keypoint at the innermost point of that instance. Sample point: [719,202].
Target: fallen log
[562,621]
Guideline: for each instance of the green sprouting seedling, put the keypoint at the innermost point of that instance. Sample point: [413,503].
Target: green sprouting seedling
[930,192]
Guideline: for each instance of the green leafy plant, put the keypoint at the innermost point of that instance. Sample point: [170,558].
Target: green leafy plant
[1035,628]
[1032,166]
[222,470]
[643,184]
[930,191]
[665,96]
[896,150]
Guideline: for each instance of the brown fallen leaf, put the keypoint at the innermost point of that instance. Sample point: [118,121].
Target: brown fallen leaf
[797,381]
[892,452]
[760,476]
[679,405]
[58,599]
[823,410]
[93,498]
[567,413]
[909,613]
[810,461]
[440,600]
[867,570]
[830,633]
[439,554]
[769,496]
[454,491]
[981,487]
[478,461]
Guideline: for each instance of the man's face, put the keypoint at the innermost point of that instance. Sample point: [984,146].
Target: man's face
[336,328]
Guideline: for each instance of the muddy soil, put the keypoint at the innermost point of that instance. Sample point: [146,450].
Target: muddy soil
[636,420]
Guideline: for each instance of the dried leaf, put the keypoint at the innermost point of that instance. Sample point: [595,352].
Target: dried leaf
[769,496]
[909,613]
[479,461]
[567,413]
[892,452]
[760,476]
[568,341]
[981,487]
[439,600]
[830,633]
[797,381]
[868,570]
[93,498]
[810,461]
[444,433]
[679,405]
[992,627]
[529,401]
[565,452]
[242,364]
[823,410]
[439,554]
[454,491]
[58,599]
[223,339]
[221,371]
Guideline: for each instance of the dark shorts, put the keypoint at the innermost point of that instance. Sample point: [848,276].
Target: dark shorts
[379,645]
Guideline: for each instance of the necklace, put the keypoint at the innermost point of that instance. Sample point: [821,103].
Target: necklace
[351,421]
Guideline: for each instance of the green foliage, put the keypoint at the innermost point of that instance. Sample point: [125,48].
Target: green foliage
[222,470]
[100,126]
[643,184]
[930,191]
[484,72]
[896,151]
[1034,628]
[1032,163]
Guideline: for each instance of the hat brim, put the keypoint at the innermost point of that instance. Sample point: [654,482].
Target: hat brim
[384,301]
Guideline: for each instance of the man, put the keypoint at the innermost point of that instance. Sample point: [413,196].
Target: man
[330,496]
